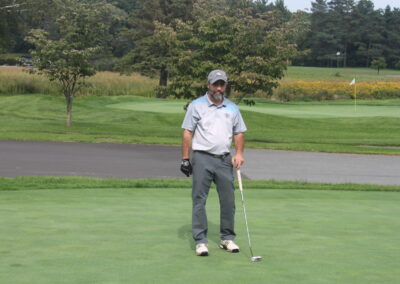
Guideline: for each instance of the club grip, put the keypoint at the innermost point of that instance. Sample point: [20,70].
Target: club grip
[239,176]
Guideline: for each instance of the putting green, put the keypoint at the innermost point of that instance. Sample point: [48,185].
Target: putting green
[155,105]
[143,236]
[295,110]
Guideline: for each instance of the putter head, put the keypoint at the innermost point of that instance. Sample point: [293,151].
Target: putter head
[256,258]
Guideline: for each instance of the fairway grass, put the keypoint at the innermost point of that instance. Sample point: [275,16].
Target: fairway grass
[299,73]
[143,235]
[372,128]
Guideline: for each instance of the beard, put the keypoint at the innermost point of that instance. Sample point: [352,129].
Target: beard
[218,97]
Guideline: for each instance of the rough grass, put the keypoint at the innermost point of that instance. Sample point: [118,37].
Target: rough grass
[35,183]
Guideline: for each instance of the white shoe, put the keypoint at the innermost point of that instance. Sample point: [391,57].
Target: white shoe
[201,250]
[229,246]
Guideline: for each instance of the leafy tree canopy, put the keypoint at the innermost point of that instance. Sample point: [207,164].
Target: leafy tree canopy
[64,56]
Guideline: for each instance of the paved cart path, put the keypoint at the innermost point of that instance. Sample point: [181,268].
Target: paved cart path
[27,158]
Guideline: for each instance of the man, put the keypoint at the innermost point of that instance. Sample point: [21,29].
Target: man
[210,124]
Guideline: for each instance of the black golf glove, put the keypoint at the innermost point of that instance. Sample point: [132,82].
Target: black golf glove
[186,167]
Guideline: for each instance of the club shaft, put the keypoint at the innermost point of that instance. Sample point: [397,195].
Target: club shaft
[244,210]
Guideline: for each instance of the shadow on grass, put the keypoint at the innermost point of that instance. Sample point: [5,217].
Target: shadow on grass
[185,233]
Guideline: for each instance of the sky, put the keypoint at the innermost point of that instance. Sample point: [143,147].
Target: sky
[294,5]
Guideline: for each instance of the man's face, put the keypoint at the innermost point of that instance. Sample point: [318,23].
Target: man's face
[217,90]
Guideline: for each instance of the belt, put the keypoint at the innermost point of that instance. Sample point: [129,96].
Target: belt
[213,155]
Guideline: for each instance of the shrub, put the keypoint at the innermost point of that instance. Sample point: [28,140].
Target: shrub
[10,59]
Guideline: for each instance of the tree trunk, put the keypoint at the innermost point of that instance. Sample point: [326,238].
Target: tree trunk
[163,76]
[69,109]
[228,91]
[163,82]
[345,55]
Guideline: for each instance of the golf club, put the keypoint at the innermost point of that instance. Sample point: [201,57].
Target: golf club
[253,258]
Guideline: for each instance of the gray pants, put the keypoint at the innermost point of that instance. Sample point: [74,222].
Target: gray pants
[207,169]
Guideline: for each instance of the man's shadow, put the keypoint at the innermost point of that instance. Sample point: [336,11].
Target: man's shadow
[185,233]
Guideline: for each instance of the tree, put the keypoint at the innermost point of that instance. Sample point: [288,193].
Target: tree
[391,34]
[368,39]
[9,10]
[342,24]
[152,37]
[378,63]
[321,40]
[302,39]
[153,55]
[356,30]
[280,6]
[64,57]
[253,49]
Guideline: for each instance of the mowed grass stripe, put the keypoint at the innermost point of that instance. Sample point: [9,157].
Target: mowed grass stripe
[143,235]
[165,106]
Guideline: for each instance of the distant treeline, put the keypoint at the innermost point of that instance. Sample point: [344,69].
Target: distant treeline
[351,33]
[345,33]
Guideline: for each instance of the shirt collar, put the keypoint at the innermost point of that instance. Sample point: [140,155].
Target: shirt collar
[210,103]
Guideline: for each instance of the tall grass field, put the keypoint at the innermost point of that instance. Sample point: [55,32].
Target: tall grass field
[299,83]
[143,235]
[17,80]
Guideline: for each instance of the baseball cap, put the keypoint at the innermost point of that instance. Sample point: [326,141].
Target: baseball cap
[217,75]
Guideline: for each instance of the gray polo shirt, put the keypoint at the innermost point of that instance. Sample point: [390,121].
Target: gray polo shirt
[213,125]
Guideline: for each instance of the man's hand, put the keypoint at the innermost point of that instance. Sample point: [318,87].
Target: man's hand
[237,161]
[186,167]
